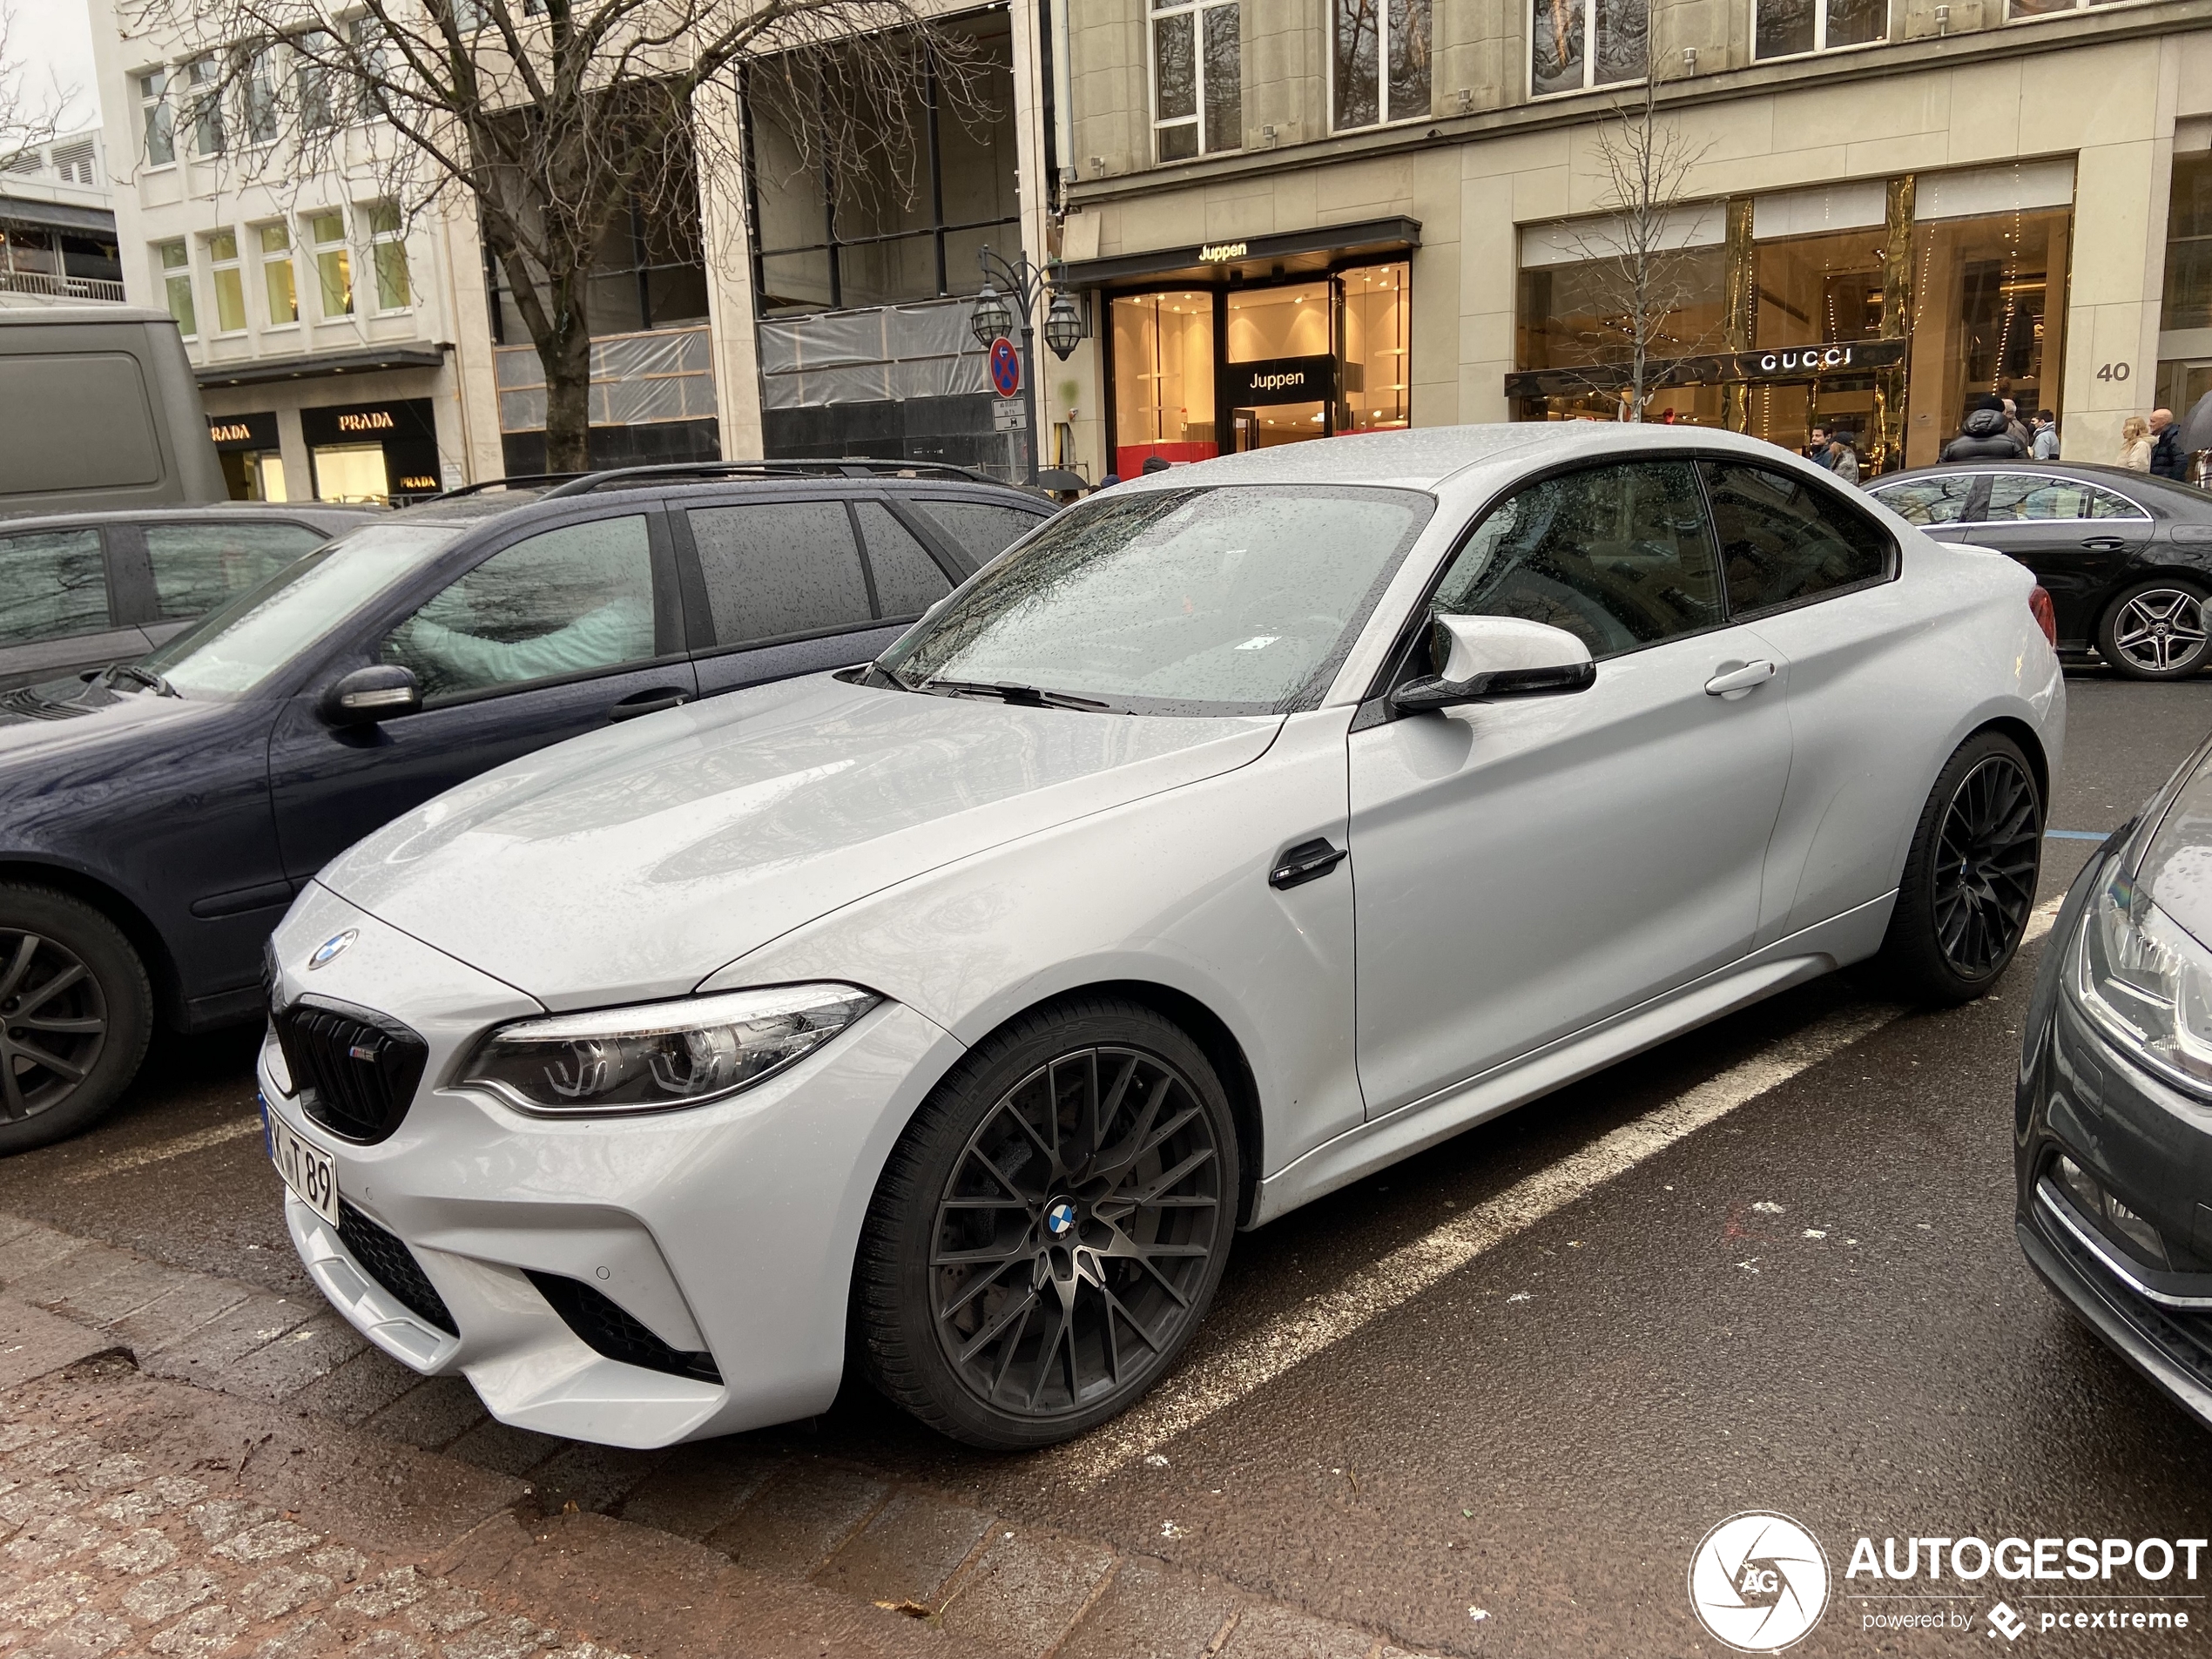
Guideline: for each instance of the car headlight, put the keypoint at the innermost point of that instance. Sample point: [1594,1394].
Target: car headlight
[661,1055]
[2146,983]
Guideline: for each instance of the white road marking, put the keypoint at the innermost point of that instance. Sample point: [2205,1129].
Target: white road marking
[1211,1385]
[162,1151]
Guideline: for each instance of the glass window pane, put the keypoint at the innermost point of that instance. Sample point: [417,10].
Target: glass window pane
[2021,494]
[1409,59]
[1174,69]
[1784,26]
[230,300]
[2104,505]
[1224,80]
[1784,539]
[1812,290]
[1162,378]
[1853,22]
[982,530]
[1178,143]
[1928,501]
[795,281]
[564,602]
[334,267]
[963,268]
[885,274]
[52,585]
[2188,300]
[778,568]
[393,292]
[198,566]
[1356,61]
[1989,315]
[1619,557]
[1375,326]
[2040,8]
[976,148]
[1555,63]
[1623,27]
[907,581]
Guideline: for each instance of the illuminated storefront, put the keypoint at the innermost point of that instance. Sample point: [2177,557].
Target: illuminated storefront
[1876,307]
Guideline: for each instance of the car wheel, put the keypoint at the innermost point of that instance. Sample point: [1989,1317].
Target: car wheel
[2155,631]
[76,1011]
[1969,882]
[1049,1230]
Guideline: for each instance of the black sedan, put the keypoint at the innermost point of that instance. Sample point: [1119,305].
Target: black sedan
[2125,558]
[157,817]
[2114,1118]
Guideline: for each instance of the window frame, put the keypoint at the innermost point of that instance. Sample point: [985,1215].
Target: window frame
[204,110]
[365,214]
[264,260]
[1388,116]
[318,251]
[1820,46]
[169,275]
[1590,83]
[151,104]
[1195,10]
[235,268]
[2012,17]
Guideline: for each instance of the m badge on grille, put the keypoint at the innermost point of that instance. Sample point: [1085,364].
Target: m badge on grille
[361,1051]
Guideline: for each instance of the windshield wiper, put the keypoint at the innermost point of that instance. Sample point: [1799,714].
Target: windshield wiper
[1021,696]
[144,677]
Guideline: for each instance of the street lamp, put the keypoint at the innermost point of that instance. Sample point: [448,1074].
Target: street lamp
[993,319]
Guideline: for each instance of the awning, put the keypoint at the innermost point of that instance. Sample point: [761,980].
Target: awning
[58,216]
[1255,258]
[261,370]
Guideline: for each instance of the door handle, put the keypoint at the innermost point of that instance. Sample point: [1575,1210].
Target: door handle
[647,703]
[1307,861]
[2104,543]
[1735,681]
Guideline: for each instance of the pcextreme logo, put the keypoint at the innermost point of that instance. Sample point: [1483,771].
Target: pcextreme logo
[1758,1582]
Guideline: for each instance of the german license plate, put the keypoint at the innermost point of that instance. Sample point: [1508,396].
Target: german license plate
[310,1173]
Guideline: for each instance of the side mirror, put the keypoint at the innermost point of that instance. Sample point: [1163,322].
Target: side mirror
[367,694]
[1495,656]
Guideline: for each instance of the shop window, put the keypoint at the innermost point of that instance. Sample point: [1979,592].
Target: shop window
[1572,315]
[1786,28]
[1574,44]
[1988,314]
[1375,325]
[388,253]
[846,223]
[2188,301]
[229,285]
[334,264]
[1285,332]
[1379,61]
[157,120]
[1197,79]
[279,281]
[205,115]
[176,281]
[1815,290]
[1163,385]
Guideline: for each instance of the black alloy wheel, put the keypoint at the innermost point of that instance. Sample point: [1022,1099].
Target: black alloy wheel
[75,1014]
[1969,882]
[2156,630]
[1052,1230]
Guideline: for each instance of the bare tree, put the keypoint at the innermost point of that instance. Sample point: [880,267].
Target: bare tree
[1644,278]
[555,119]
[29,113]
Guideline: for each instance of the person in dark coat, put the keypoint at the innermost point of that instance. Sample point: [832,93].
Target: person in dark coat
[1984,435]
[1155,463]
[2166,458]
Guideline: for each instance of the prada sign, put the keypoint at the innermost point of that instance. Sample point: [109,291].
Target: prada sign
[1279,380]
[243,431]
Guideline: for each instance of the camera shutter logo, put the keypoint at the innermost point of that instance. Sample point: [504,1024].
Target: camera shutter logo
[1758,1582]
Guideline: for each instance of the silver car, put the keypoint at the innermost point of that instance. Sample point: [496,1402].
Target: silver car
[1239,831]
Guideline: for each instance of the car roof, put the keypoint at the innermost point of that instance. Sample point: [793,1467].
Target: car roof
[314,512]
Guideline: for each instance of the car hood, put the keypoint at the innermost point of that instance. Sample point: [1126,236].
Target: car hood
[635,862]
[67,724]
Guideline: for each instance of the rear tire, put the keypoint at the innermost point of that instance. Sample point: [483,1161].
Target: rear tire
[76,1012]
[1051,1227]
[1969,882]
[2156,630]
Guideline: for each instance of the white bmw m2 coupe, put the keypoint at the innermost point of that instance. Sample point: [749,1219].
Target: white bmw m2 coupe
[1242,830]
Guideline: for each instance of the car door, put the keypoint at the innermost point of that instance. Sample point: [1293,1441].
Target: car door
[56,607]
[195,565]
[791,585]
[558,632]
[1524,867]
[2080,540]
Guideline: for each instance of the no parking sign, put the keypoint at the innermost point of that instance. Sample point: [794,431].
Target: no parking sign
[1006,367]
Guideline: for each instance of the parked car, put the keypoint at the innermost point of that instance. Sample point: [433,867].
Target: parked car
[953,1011]
[156,819]
[78,591]
[2112,1150]
[99,408]
[2127,558]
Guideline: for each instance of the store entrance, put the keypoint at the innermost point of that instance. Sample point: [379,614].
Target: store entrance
[1786,412]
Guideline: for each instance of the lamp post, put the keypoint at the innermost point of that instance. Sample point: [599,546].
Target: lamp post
[993,319]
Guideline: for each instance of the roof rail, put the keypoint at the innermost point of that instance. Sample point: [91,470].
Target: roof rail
[513,481]
[708,471]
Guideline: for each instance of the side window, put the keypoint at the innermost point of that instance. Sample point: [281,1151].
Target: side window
[52,585]
[1928,501]
[1619,555]
[1784,540]
[2104,505]
[907,581]
[2015,495]
[984,528]
[564,602]
[774,569]
[198,567]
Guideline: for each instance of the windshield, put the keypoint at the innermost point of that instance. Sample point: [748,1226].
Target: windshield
[234,649]
[1235,600]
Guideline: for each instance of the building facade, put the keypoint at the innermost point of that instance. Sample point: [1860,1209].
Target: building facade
[1298,218]
[58,242]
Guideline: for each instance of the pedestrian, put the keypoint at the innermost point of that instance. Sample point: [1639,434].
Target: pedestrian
[1155,464]
[2134,443]
[1107,481]
[1816,448]
[1983,435]
[2013,425]
[2045,444]
[2167,460]
[1843,457]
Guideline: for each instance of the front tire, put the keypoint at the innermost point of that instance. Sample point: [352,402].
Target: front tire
[2156,630]
[1051,1227]
[76,1012]
[1969,882]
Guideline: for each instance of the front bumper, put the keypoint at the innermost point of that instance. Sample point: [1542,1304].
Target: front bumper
[723,1235]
